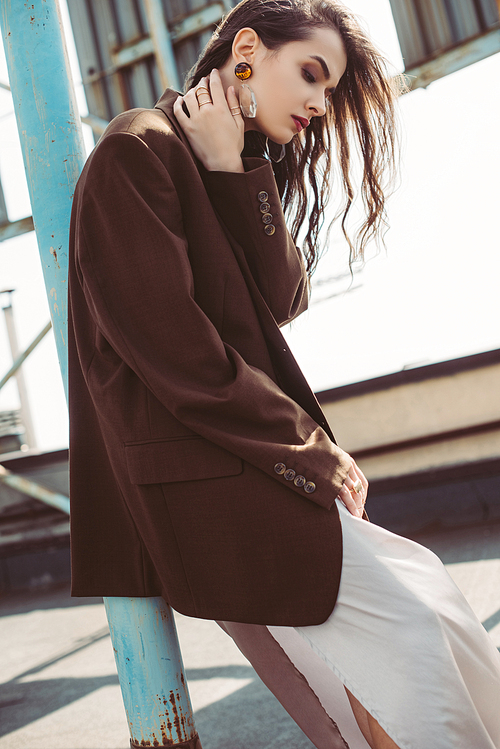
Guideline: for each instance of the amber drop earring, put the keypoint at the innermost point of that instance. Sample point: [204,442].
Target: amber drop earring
[243,71]
[248,102]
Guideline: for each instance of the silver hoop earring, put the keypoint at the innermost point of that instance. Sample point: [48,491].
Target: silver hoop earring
[275,151]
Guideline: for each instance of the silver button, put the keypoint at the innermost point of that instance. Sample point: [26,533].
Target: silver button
[290,474]
[269,229]
[280,468]
[267,218]
[299,480]
[262,197]
[310,487]
[265,207]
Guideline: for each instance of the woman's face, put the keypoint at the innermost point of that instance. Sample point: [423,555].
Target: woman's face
[292,84]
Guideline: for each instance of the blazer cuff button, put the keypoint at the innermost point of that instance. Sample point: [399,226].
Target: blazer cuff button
[269,229]
[299,481]
[262,197]
[280,468]
[310,487]
[290,474]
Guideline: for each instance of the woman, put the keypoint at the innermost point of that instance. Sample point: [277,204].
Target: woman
[202,467]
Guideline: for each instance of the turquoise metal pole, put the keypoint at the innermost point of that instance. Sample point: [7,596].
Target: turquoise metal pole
[142,630]
[149,666]
[51,139]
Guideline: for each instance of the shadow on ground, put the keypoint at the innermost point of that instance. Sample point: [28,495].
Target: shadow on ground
[249,717]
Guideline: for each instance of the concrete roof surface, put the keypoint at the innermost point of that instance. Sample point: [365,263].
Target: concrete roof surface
[59,685]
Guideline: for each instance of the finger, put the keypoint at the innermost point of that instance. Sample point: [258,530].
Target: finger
[349,481]
[178,109]
[216,88]
[347,498]
[359,496]
[194,97]
[352,472]
[352,481]
[234,105]
[361,476]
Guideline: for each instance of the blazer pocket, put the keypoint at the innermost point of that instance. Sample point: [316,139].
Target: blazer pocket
[184,459]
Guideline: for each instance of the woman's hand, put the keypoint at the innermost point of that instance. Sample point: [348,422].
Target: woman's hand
[215,129]
[354,500]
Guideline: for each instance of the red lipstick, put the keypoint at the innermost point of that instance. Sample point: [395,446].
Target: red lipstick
[301,122]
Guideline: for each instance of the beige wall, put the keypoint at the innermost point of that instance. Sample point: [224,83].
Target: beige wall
[419,410]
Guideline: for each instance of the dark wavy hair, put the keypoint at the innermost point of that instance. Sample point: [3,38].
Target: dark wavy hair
[360,115]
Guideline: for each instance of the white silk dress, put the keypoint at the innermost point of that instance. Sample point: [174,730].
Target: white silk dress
[403,640]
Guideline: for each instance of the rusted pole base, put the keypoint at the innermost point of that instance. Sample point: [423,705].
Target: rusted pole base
[193,743]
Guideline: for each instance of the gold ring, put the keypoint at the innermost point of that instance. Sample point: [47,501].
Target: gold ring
[358,486]
[202,103]
[201,89]
[237,111]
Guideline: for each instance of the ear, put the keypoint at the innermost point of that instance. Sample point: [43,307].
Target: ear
[246,43]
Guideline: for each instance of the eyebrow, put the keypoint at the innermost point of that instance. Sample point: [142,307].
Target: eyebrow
[324,68]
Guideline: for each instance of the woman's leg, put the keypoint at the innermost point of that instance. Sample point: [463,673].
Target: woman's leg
[373,733]
[286,682]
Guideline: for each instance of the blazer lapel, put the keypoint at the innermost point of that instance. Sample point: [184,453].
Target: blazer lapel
[289,375]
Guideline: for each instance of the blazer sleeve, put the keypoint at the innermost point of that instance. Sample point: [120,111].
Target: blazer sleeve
[132,262]
[245,203]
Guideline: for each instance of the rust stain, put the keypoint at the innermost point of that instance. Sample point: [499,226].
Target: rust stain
[167,741]
[53,252]
[183,681]
[177,722]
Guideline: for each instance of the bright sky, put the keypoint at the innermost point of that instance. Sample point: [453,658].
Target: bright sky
[433,295]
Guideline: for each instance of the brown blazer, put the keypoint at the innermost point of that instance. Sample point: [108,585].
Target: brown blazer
[186,405]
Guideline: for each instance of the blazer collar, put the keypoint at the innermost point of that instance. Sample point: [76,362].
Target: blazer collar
[166,104]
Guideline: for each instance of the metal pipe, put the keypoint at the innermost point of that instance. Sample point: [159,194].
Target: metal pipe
[52,142]
[22,357]
[33,489]
[15,228]
[53,150]
[162,43]
[158,713]
[27,422]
